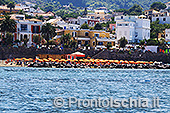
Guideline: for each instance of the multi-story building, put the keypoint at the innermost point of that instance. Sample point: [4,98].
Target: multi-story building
[167,5]
[151,13]
[5,9]
[162,19]
[167,35]
[26,28]
[92,38]
[133,28]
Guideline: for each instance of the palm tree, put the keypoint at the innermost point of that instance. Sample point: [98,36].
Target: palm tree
[65,40]
[48,31]
[8,25]
[11,5]
[123,41]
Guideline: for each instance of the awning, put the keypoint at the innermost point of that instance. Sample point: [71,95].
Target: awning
[78,54]
[82,38]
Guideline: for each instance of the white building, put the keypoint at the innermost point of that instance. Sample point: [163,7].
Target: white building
[167,35]
[162,19]
[27,28]
[133,28]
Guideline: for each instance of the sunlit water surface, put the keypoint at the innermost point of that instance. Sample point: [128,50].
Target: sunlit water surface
[34,89]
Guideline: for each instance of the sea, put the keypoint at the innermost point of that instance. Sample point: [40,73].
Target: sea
[25,90]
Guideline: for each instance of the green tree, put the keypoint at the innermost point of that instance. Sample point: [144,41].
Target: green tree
[157,6]
[37,39]
[135,10]
[8,25]
[11,5]
[152,42]
[156,28]
[8,39]
[123,41]
[85,11]
[48,31]
[65,40]
[25,40]
[84,26]
[73,44]
[98,26]
[109,46]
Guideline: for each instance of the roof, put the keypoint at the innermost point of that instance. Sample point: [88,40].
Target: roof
[33,19]
[78,53]
[6,8]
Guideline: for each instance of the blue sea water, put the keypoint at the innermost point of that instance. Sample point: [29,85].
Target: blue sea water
[34,89]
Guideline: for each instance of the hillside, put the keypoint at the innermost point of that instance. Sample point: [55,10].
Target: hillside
[113,4]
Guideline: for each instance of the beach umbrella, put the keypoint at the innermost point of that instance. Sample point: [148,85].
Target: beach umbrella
[81,60]
[56,60]
[126,62]
[91,60]
[62,60]
[88,57]
[26,60]
[17,59]
[131,62]
[30,59]
[45,60]
[106,60]
[151,62]
[121,61]
[50,58]
[23,58]
[75,60]
[111,61]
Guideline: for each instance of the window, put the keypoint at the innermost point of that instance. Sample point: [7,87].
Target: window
[157,19]
[164,19]
[109,42]
[93,43]
[166,35]
[100,43]
[74,34]
[150,12]
[79,42]
[86,34]
[23,27]
[86,42]
[36,29]
[126,24]
[96,35]
[35,21]
[121,17]
[125,33]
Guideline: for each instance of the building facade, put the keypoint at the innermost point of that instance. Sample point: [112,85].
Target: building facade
[91,38]
[26,29]
[133,28]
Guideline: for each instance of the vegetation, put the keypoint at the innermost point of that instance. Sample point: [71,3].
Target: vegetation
[8,25]
[157,6]
[54,5]
[65,40]
[85,26]
[37,39]
[123,41]
[11,5]
[134,10]
[157,29]
[98,26]
[8,39]
[48,31]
